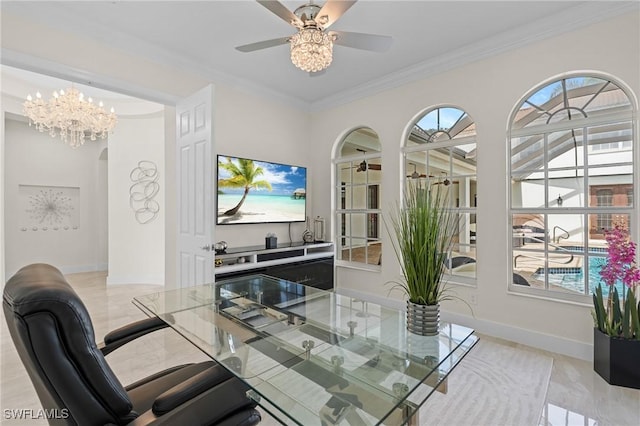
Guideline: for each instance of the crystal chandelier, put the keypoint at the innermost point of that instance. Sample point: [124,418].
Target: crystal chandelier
[311,49]
[69,115]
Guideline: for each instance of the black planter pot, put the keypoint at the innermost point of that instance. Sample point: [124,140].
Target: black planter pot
[616,360]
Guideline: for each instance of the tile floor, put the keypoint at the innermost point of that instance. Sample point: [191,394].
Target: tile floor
[576,395]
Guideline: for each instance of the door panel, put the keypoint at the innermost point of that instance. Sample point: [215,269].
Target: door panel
[194,142]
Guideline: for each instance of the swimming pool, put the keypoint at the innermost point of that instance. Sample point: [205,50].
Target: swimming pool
[580,249]
[572,278]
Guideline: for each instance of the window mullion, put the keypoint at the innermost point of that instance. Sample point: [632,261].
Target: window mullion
[586,194]
[600,119]
[545,156]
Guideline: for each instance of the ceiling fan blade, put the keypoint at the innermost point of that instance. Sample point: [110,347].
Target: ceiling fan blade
[279,9]
[375,166]
[372,42]
[332,10]
[262,44]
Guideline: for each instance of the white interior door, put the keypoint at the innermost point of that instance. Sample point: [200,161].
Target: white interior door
[194,159]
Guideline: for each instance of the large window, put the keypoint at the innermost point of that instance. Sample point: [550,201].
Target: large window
[441,150]
[358,214]
[572,175]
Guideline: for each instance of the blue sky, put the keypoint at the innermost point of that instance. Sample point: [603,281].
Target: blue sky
[448,117]
[284,179]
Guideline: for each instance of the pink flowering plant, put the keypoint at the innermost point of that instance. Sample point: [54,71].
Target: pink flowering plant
[616,318]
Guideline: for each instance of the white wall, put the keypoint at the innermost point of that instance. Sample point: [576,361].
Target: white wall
[487,90]
[239,119]
[246,126]
[136,251]
[139,134]
[34,158]
[249,126]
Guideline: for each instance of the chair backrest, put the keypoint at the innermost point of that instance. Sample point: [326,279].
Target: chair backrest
[53,334]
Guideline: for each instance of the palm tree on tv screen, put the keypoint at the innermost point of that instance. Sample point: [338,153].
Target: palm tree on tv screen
[243,175]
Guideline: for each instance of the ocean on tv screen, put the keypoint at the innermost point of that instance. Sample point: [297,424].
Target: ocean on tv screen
[272,192]
[260,208]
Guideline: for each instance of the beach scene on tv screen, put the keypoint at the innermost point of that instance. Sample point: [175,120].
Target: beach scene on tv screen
[251,191]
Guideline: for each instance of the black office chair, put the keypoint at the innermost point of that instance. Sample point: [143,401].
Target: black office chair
[53,334]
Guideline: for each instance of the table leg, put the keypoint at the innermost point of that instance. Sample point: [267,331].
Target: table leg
[410,417]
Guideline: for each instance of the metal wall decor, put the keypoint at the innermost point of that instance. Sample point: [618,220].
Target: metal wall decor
[141,194]
[48,207]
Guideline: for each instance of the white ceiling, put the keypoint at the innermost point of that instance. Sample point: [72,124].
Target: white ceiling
[429,37]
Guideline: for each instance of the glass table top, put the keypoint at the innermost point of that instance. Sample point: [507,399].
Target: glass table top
[313,356]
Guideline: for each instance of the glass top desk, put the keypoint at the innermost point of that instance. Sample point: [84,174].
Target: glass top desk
[311,356]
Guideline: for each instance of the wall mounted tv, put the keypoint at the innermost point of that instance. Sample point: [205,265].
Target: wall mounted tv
[251,191]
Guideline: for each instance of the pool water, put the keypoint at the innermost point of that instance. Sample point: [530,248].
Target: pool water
[572,278]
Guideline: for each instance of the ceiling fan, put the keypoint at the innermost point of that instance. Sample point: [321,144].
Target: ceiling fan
[363,166]
[415,174]
[312,44]
[445,182]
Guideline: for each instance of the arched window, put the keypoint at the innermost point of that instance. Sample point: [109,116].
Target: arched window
[572,177]
[358,198]
[441,150]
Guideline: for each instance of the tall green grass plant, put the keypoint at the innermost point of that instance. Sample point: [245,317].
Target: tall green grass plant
[422,232]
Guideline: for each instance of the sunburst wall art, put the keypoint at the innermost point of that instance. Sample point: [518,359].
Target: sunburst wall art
[49,208]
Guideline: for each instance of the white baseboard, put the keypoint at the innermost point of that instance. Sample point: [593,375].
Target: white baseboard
[131,279]
[76,269]
[73,269]
[523,336]
[384,301]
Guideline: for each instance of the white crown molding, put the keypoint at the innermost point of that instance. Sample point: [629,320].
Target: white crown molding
[186,64]
[119,40]
[55,69]
[583,14]
[15,90]
[571,19]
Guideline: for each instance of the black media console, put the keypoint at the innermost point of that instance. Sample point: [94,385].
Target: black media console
[305,263]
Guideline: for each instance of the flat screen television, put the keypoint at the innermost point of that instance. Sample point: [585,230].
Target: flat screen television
[252,191]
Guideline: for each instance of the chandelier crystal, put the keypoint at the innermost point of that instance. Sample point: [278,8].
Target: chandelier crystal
[69,115]
[311,49]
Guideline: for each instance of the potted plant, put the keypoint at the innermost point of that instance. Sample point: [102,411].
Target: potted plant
[422,234]
[616,342]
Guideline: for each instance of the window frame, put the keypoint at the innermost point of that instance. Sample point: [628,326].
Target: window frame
[342,232]
[433,145]
[588,212]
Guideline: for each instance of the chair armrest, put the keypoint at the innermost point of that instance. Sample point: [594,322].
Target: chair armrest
[125,334]
[189,389]
[225,404]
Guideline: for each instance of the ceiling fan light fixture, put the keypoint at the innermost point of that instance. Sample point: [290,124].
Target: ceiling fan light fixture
[311,49]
